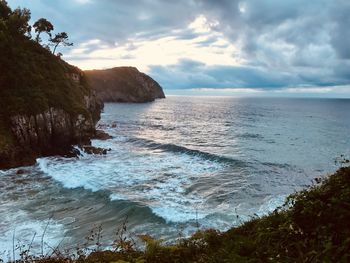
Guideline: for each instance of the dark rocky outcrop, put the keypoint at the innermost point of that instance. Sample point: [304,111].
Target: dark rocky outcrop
[94,150]
[124,84]
[102,135]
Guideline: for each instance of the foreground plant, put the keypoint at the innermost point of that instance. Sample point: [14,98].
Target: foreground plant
[312,226]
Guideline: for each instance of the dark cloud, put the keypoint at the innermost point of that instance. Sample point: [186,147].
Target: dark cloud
[283,43]
[340,33]
[193,74]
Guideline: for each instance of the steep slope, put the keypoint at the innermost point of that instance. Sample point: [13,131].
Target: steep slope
[124,84]
[46,104]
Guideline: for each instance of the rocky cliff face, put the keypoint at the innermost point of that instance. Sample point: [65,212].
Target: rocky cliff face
[51,132]
[124,84]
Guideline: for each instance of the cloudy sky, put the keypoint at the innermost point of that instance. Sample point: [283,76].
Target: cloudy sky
[216,47]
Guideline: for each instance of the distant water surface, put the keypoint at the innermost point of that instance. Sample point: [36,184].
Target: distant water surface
[176,165]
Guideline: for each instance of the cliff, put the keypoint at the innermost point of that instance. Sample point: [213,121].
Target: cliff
[46,104]
[124,84]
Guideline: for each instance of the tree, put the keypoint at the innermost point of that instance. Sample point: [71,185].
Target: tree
[5,10]
[42,25]
[18,22]
[60,38]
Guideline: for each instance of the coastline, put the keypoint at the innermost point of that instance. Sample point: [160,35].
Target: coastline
[286,235]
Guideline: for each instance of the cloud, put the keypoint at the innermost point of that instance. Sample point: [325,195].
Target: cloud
[204,47]
[193,74]
[268,44]
[340,36]
[316,92]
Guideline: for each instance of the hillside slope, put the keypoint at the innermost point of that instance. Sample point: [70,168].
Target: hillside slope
[46,104]
[124,84]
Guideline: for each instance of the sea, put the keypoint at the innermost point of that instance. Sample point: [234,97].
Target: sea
[173,167]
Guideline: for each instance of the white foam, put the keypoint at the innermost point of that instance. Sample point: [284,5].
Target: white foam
[157,179]
[17,223]
[270,204]
[82,153]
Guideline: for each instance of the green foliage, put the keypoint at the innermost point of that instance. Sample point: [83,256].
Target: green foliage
[5,10]
[42,25]
[60,38]
[313,226]
[18,22]
[32,79]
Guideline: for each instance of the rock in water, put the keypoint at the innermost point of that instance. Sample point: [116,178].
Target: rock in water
[102,135]
[124,84]
[94,150]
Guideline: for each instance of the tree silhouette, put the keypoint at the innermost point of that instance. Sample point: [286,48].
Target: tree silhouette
[42,25]
[15,22]
[5,10]
[60,38]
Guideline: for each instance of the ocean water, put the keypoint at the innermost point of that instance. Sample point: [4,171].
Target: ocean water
[175,166]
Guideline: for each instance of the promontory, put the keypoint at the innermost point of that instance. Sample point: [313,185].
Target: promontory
[124,84]
[46,105]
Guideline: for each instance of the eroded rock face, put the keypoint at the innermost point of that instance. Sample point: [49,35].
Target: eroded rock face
[124,84]
[52,132]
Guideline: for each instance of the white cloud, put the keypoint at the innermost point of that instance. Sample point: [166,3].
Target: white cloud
[208,47]
[202,25]
[316,90]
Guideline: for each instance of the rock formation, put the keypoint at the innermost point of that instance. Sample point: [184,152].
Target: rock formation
[124,84]
[46,105]
[50,132]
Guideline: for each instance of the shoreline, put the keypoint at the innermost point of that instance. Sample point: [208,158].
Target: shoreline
[287,234]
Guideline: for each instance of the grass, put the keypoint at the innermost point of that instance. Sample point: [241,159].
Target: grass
[312,226]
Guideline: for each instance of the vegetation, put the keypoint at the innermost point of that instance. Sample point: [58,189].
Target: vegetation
[60,38]
[312,226]
[42,25]
[32,79]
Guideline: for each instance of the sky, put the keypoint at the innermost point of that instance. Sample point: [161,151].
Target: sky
[214,47]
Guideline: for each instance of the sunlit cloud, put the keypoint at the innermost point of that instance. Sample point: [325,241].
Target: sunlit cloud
[208,47]
[271,45]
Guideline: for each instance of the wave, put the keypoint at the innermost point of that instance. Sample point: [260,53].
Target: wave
[248,135]
[169,147]
[279,165]
[165,198]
